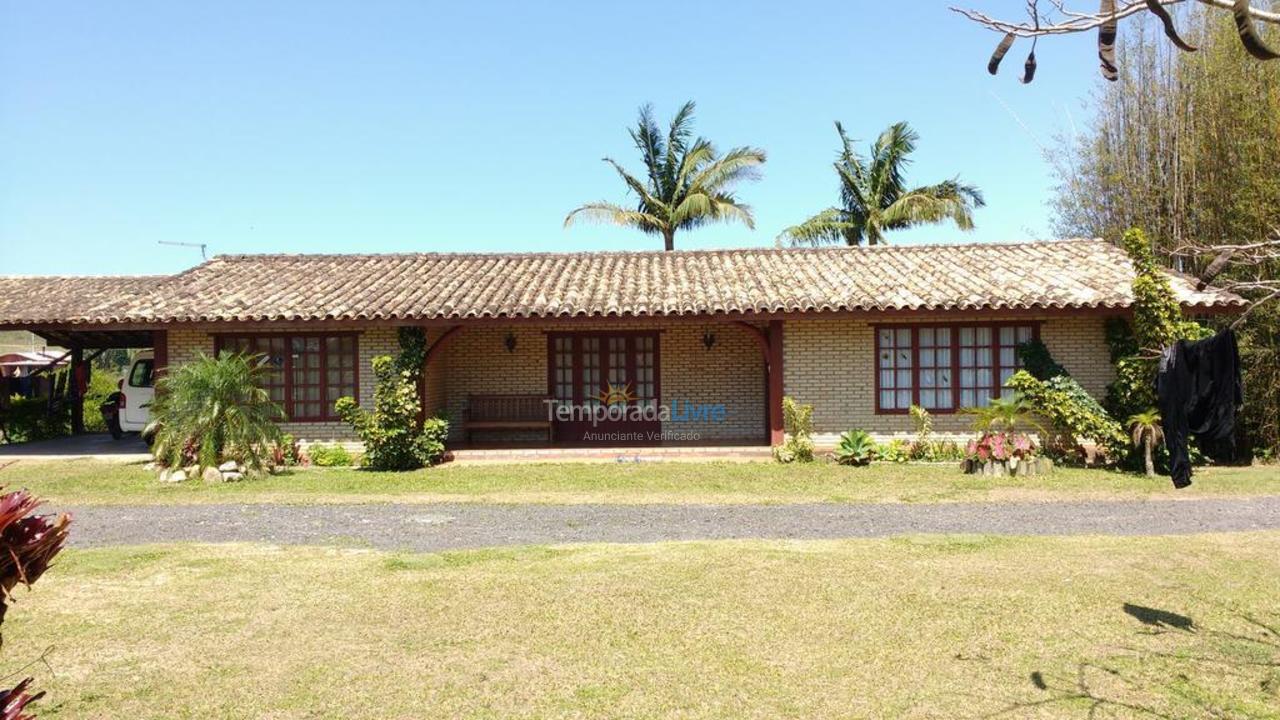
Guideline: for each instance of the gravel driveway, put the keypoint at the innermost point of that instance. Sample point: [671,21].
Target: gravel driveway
[432,527]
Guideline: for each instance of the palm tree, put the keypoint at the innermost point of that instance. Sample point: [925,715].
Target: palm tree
[215,409]
[874,198]
[1147,431]
[688,182]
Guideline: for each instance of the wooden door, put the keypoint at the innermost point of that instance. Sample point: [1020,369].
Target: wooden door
[610,382]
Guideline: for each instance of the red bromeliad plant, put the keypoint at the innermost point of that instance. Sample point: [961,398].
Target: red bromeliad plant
[1001,446]
[28,543]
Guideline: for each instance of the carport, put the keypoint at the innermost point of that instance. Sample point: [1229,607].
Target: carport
[69,312]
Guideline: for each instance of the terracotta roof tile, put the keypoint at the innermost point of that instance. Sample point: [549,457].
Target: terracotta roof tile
[1038,275]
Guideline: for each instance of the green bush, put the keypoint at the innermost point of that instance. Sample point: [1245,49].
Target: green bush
[28,420]
[798,422]
[855,447]
[329,456]
[1072,411]
[892,451]
[935,451]
[1036,359]
[215,409]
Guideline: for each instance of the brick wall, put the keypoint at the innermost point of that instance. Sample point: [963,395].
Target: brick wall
[731,372]
[185,343]
[831,364]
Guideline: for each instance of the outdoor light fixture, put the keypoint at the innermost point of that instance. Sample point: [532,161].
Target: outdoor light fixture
[708,339]
[509,342]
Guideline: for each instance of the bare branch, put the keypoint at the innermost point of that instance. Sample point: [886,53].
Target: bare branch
[1078,22]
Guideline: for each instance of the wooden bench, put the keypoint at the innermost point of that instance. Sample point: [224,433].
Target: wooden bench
[507,412]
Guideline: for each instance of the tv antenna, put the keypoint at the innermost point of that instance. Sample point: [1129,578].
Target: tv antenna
[203,247]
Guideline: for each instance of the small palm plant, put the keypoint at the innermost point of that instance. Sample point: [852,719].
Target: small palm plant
[855,447]
[874,197]
[1147,431]
[1011,414]
[215,409]
[688,182]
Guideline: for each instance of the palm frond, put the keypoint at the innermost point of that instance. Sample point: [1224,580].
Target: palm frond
[611,214]
[648,139]
[889,158]
[831,226]
[646,198]
[742,163]
[949,200]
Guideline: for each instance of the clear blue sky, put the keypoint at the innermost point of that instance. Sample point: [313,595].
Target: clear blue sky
[417,126]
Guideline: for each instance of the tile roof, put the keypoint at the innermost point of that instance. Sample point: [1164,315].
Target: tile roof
[1017,276]
[60,299]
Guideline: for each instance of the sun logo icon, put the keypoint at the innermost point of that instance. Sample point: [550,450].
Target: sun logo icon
[614,395]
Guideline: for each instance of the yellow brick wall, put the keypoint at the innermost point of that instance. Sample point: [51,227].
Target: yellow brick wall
[831,364]
[185,343]
[731,372]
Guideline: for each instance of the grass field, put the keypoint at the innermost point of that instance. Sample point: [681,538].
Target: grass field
[915,627]
[88,482]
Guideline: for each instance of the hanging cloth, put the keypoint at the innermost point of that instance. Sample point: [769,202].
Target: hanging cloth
[1198,389]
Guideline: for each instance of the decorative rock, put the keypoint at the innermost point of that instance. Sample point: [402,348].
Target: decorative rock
[211,475]
[149,467]
[232,476]
[229,466]
[176,476]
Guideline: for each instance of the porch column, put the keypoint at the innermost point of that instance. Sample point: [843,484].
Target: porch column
[159,351]
[74,389]
[774,393]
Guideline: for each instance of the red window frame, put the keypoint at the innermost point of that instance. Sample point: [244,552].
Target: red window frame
[955,359]
[222,340]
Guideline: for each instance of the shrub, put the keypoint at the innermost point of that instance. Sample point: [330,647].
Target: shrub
[1001,446]
[329,456]
[1004,415]
[392,437]
[798,422]
[1072,411]
[855,447]
[28,419]
[287,452]
[935,451]
[213,410]
[892,451]
[1036,359]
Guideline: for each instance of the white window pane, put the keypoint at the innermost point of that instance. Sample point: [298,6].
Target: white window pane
[966,336]
[886,378]
[968,378]
[984,357]
[904,337]
[904,399]
[943,336]
[903,359]
[983,335]
[886,358]
[927,378]
[984,378]
[984,398]
[929,398]
[967,398]
[1007,357]
[1024,334]
[886,338]
[927,358]
[886,399]
[926,337]
[944,399]
[944,357]
[944,378]
[1006,336]
[966,357]
[904,378]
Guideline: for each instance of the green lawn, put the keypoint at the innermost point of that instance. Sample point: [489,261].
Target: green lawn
[88,482]
[914,627]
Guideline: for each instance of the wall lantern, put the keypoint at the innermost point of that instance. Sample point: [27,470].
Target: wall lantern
[708,339]
[509,342]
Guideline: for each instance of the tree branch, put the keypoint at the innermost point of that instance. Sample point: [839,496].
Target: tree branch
[1078,22]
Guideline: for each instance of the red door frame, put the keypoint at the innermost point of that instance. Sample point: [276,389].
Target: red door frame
[574,430]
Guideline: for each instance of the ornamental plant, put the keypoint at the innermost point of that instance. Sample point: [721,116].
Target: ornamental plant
[28,544]
[855,447]
[1072,412]
[1001,446]
[213,410]
[798,421]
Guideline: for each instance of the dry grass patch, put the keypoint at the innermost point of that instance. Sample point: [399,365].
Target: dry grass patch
[918,627]
[88,482]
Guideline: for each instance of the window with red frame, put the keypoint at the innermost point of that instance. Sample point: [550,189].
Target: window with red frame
[943,368]
[306,373]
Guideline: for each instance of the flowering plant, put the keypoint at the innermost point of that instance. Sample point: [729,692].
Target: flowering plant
[1002,446]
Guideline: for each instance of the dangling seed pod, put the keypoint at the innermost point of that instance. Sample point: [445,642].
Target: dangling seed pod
[993,65]
[1170,30]
[1029,68]
[1107,41]
[1249,34]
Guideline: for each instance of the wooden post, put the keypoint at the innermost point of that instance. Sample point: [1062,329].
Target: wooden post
[159,351]
[73,389]
[776,429]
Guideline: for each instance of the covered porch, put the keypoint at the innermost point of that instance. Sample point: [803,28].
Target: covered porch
[597,386]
